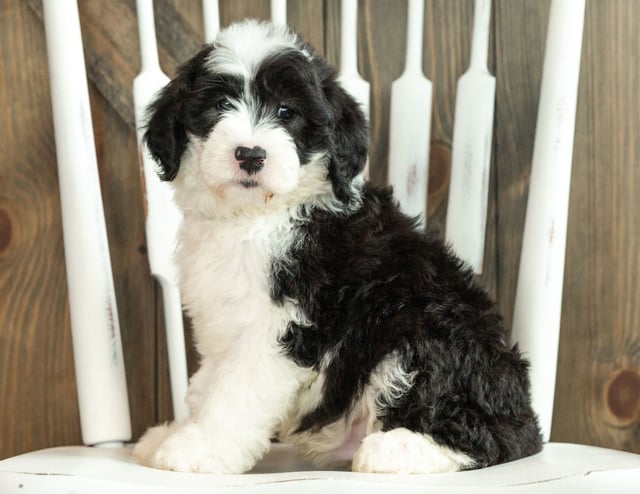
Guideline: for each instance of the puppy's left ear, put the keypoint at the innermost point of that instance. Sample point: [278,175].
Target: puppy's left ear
[349,142]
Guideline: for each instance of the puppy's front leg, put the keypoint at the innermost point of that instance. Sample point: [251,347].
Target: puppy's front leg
[244,399]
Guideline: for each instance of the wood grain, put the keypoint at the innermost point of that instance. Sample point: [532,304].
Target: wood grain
[37,381]
[598,387]
[520,32]
[599,361]
[136,297]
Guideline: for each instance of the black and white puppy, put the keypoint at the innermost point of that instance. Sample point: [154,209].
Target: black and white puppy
[321,314]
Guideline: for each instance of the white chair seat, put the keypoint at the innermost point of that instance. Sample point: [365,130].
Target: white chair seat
[559,468]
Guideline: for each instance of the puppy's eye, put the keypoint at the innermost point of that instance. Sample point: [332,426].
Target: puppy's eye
[284,112]
[224,105]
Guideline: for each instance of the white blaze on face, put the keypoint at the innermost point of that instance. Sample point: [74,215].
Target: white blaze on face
[219,168]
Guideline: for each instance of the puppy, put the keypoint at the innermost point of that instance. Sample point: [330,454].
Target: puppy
[321,314]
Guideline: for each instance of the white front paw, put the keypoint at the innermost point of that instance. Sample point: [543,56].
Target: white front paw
[151,440]
[188,449]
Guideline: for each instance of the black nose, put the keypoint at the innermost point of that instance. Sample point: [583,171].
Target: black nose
[251,159]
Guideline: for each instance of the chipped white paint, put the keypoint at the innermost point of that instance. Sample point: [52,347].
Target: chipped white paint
[97,348]
[559,469]
[349,77]
[410,123]
[279,12]
[536,319]
[471,155]
[211,16]
[162,216]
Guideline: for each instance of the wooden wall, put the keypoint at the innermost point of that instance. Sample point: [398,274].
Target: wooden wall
[598,385]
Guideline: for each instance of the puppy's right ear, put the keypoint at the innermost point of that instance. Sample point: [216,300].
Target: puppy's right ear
[166,136]
[166,133]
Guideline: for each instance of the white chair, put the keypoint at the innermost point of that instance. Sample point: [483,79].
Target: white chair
[105,465]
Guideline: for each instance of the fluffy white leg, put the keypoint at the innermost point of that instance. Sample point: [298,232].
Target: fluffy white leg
[402,451]
[154,437]
[234,418]
[199,385]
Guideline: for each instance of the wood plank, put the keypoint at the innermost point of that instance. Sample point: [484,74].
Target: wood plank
[178,38]
[381,60]
[231,11]
[135,289]
[37,381]
[110,38]
[306,17]
[112,53]
[180,32]
[120,178]
[378,63]
[598,386]
[447,40]
[520,33]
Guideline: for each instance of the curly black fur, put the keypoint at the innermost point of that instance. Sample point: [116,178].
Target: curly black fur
[372,284]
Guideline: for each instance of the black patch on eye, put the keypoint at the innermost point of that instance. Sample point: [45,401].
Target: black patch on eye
[210,96]
[289,80]
[224,104]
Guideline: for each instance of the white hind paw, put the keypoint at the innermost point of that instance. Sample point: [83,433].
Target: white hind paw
[403,451]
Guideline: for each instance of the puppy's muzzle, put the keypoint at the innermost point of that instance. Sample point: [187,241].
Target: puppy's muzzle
[251,160]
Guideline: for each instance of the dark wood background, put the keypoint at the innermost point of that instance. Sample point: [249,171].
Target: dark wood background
[598,385]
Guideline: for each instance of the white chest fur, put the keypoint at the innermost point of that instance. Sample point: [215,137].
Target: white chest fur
[224,278]
[245,386]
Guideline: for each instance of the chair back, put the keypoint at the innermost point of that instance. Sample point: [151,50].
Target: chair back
[96,336]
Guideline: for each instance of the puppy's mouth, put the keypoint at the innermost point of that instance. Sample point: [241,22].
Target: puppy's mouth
[249,183]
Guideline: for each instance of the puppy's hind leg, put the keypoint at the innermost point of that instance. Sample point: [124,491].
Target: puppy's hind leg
[403,451]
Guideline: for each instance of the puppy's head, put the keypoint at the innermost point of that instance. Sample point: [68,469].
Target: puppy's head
[255,116]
